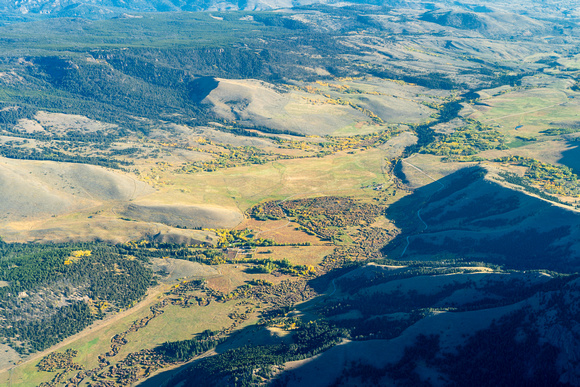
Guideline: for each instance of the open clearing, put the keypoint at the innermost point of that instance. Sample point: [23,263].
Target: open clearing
[527,112]
[87,203]
[177,323]
[303,255]
[58,123]
[281,231]
[172,270]
[243,187]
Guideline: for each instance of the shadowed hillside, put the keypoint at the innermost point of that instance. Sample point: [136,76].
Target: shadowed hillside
[474,217]
[571,159]
[436,325]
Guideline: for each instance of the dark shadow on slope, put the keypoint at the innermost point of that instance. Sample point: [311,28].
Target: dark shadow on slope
[254,345]
[200,88]
[251,349]
[571,159]
[253,335]
[476,219]
[398,171]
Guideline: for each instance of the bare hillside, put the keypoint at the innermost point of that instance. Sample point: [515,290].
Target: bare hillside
[42,188]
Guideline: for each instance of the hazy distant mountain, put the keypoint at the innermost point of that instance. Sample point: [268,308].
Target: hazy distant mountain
[22,10]
[97,9]
[109,8]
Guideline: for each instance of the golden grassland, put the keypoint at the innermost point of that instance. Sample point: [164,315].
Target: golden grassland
[243,187]
[177,323]
[303,255]
[281,231]
[237,189]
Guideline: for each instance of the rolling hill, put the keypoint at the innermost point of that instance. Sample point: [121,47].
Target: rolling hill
[289,193]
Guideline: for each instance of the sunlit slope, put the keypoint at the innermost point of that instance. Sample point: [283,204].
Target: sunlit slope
[184,216]
[340,174]
[49,201]
[44,188]
[486,23]
[260,104]
[319,108]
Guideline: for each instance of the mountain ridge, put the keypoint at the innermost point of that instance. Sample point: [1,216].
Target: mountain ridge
[96,9]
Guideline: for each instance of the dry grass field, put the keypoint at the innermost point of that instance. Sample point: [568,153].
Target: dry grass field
[344,108]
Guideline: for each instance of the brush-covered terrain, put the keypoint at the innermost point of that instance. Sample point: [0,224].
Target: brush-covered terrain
[289,193]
